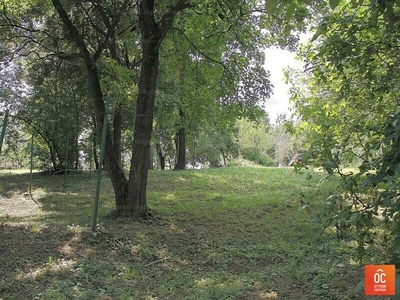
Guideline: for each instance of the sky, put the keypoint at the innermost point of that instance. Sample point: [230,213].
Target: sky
[276,60]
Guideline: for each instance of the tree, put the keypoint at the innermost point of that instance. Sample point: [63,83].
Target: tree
[56,108]
[348,103]
[203,79]
[254,141]
[285,143]
[93,31]
[15,147]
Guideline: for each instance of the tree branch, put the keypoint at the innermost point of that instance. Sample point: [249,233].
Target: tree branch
[166,19]
[73,32]
[197,48]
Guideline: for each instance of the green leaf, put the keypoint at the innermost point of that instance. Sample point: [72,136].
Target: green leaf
[334,3]
[316,35]
[270,6]
[290,11]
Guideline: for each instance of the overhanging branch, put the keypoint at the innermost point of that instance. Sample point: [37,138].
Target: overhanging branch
[198,49]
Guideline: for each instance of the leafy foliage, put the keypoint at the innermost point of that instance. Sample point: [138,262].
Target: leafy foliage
[348,104]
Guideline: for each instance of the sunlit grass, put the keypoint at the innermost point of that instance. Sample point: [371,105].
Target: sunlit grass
[228,233]
[16,171]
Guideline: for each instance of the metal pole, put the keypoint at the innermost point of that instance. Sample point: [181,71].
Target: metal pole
[66,162]
[103,143]
[31,168]
[3,130]
[90,153]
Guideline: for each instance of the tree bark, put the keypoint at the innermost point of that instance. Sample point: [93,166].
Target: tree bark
[118,132]
[181,145]
[161,156]
[94,144]
[151,161]
[53,157]
[223,156]
[151,38]
[111,163]
[76,144]
[152,34]
[117,113]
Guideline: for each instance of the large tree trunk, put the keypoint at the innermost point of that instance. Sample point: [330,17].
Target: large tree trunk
[136,203]
[152,34]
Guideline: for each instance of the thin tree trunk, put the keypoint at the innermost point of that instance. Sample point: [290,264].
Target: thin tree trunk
[223,156]
[115,172]
[161,156]
[94,145]
[53,158]
[117,113]
[181,145]
[111,163]
[118,132]
[77,152]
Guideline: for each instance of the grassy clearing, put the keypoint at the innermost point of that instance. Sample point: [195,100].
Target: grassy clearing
[229,233]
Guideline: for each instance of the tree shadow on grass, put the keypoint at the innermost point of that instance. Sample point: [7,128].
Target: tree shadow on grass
[11,184]
[39,243]
[191,250]
[28,253]
[49,257]
[69,198]
[19,182]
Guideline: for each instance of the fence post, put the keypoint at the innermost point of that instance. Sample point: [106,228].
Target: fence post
[66,161]
[103,143]
[31,168]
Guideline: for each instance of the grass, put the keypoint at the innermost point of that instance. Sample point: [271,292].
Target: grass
[229,233]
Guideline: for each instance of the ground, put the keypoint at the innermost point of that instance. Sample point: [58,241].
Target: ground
[229,233]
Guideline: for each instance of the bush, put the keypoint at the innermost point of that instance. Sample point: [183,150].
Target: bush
[256,156]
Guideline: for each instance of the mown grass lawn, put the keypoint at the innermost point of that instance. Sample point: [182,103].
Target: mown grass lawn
[229,233]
